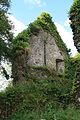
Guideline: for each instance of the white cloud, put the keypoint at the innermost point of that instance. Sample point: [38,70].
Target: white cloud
[3,84]
[66,23]
[39,3]
[18,25]
[67,37]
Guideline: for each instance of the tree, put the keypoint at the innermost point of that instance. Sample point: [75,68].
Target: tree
[5,32]
[5,29]
[74,16]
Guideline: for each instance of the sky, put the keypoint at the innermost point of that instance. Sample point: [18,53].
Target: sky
[27,10]
[23,12]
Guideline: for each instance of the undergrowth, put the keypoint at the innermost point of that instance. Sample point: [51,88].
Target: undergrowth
[43,22]
[44,99]
[38,99]
[49,99]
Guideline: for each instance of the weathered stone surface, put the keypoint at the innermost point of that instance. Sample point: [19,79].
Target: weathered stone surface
[52,52]
[59,65]
[45,52]
[38,73]
[36,54]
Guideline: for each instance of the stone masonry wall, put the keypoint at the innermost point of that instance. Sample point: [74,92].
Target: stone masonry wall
[44,51]
[52,52]
[36,54]
[19,67]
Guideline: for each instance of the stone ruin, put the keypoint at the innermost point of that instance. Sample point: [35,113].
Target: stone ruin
[45,52]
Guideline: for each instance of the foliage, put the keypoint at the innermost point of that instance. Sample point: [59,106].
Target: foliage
[77,56]
[74,16]
[75,25]
[20,43]
[49,113]
[5,29]
[49,98]
[76,86]
[36,99]
[8,101]
[43,99]
[5,34]
[43,22]
[70,68]
[72,72]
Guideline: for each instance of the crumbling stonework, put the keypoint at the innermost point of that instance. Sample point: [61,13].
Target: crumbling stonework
[19,66]
[38,73]
[45,52]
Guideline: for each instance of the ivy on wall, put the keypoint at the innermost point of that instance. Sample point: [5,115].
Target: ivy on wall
[43,22]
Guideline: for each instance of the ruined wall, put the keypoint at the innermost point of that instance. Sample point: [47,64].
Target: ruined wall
[44,45]
[59,65]
[36,53]
[44,51]
[52,52]
[19,66]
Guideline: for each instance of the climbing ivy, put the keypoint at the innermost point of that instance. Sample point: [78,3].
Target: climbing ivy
[43,22]
[76,87]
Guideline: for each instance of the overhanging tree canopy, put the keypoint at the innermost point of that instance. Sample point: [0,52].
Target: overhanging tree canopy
[5,29]
[74,16]
[5,34]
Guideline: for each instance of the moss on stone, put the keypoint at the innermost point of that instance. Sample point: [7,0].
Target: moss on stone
[43,22]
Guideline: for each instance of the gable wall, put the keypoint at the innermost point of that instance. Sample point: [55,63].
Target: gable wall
[43,51]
